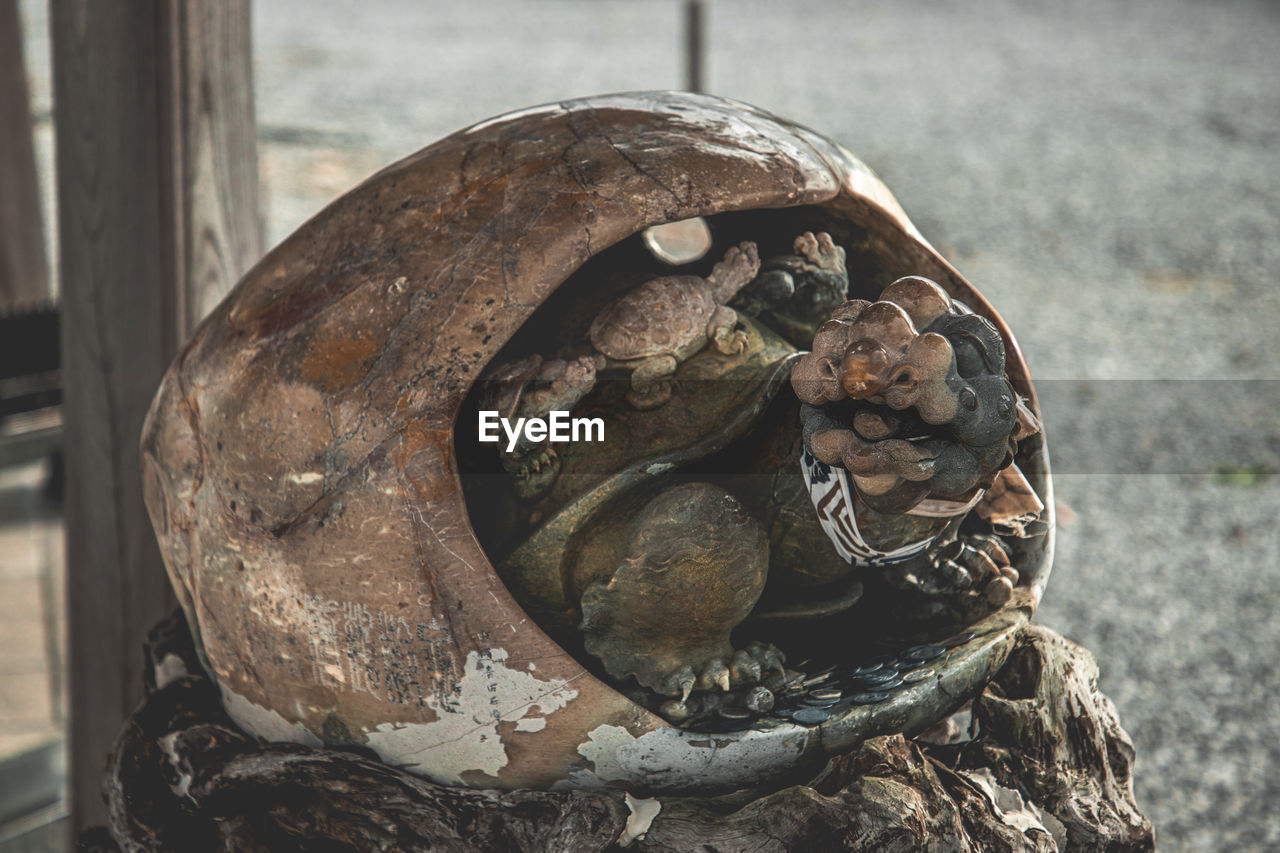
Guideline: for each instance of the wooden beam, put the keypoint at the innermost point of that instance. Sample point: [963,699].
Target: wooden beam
[157,195]
[24,268]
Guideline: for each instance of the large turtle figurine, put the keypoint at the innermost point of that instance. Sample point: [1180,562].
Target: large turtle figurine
[663,322]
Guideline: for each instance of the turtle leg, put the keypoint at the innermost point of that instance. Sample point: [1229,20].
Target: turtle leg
[650,382]
[739,266]
[820,254]
[559,384]
[722,332]
[694,567]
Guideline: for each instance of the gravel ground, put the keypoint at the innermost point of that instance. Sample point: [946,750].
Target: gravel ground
[1106,171]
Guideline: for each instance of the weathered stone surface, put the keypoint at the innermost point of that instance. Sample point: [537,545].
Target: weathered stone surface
[1048,770]
[299,456]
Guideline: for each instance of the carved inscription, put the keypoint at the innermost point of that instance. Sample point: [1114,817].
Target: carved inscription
[385,655]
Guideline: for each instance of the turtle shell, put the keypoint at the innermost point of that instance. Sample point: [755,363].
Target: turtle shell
[300,467]
[663,315]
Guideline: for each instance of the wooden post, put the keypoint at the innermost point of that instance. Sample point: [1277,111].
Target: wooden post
[24,270]
[157,195]
[215,146]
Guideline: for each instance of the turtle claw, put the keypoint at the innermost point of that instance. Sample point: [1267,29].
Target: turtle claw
[731,341]
[767,655]
[534,472]
[714,673]
[999,591]
[685,681]
[745,668]
[819,252]
[722,678]
[678,684]
[739,266]
[652,396]
[975,562]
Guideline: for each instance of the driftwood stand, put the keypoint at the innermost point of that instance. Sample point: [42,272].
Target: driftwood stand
[1048,768]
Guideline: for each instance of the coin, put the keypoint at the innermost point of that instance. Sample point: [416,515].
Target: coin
[795,685]
[878,681]
[869,698]
[922,653]
[810,716]
[917,675]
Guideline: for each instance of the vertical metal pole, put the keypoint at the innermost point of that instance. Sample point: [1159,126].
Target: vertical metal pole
[693,18]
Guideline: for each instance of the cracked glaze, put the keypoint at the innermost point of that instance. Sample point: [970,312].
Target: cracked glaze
[298,459]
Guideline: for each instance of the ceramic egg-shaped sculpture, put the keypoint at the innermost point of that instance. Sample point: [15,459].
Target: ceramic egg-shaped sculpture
[358,569]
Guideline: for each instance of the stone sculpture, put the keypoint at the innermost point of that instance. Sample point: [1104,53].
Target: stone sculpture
[359,571]
[664,321]
[909,396]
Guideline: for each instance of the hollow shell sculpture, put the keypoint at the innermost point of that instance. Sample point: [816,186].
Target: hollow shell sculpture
[301,459]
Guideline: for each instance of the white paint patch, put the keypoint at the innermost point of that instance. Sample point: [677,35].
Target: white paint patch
[465,738]
[169,670]
[305,479]
[264,722]
[641,818]
[182,787]
[677,760]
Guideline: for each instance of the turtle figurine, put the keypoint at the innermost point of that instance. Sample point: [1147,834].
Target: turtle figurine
[666,320]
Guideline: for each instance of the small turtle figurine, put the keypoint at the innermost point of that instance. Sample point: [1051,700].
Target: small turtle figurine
[663,322]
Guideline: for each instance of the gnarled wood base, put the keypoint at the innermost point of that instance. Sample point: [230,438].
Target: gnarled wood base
[1050,769]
